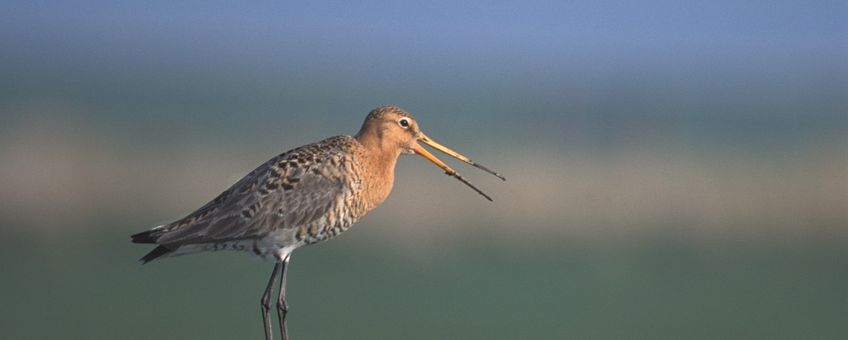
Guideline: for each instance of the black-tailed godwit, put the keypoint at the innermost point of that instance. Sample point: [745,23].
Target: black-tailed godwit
[302,196]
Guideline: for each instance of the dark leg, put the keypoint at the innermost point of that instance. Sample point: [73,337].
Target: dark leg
[266,303]
[282,308]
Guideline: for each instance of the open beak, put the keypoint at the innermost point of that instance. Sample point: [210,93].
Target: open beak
[448,170]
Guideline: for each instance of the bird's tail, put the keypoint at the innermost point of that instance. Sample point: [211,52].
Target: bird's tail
[155,253]
[151,236]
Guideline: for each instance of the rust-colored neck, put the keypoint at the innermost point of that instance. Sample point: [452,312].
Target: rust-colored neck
[378,159]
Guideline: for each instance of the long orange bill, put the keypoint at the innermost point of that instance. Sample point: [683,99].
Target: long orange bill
[457,155]
[448,170]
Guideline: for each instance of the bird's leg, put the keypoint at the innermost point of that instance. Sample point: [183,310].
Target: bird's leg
[282,307]
[265,303]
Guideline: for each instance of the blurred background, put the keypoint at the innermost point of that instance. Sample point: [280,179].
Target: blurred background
[675,170]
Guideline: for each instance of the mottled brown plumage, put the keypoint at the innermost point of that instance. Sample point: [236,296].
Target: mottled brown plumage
[299,197]
[303,196]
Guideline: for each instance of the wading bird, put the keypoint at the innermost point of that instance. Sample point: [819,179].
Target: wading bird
[302,196]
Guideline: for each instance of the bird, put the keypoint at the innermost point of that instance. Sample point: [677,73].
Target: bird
[302,196]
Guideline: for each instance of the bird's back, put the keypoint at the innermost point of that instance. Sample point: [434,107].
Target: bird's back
[299,197]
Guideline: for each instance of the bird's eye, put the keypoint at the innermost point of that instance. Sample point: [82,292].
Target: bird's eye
[404,122]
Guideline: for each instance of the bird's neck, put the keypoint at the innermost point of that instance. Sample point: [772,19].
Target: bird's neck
[382,152]
[379,161]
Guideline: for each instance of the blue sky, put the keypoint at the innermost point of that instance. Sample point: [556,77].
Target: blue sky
[396,35]
[599,61]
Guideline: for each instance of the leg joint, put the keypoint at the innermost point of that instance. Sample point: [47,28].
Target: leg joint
[282,307]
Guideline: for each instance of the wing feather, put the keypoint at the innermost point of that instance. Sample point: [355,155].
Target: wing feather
[288,191]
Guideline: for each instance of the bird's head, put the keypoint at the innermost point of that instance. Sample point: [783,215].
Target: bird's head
[391,129]
[394,131]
